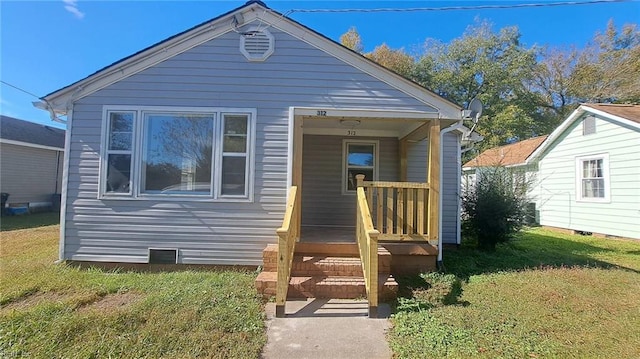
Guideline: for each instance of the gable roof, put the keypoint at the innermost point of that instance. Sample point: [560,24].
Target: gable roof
[208,30]
[625,115]
[13,130]
[513,154]
[630,112]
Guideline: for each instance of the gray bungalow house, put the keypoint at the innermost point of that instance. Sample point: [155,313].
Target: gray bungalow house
[187,150]
[31,158]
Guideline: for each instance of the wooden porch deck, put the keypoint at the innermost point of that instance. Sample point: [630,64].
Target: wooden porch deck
[327,234]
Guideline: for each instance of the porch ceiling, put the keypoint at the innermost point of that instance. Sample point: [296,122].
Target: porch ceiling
[365,126]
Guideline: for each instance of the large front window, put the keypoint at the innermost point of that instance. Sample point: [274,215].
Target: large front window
[160,153]
[177,154]
[592,178]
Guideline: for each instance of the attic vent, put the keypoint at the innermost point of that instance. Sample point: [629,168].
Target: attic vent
[589,125]
[163,256]
[256,44]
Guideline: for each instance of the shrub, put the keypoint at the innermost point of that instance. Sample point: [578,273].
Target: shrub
[494,207]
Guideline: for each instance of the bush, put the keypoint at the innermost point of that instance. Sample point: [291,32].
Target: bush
[494,207]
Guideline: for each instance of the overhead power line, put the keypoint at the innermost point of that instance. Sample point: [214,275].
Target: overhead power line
[19,89]
[451,8]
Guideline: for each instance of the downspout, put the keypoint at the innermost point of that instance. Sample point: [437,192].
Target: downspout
[453,127]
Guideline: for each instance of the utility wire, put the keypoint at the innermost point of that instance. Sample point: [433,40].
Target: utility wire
[19,89]
[450,8]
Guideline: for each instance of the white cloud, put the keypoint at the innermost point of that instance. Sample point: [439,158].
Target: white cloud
[72,7]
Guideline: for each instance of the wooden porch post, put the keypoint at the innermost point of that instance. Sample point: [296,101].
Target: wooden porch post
[434,179]
[296,176]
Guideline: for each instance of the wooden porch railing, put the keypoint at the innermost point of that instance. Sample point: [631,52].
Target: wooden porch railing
[400,210]
[288,234]
[367,238]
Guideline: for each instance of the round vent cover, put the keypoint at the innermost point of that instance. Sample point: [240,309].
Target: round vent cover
[256,44]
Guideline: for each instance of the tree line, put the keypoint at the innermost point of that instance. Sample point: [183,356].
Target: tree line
[526,91]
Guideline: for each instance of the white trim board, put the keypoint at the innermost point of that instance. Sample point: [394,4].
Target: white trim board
[32,145]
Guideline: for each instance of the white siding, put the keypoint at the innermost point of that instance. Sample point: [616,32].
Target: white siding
[214,74]
[556,179]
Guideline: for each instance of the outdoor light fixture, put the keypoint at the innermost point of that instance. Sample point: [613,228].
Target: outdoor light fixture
[349,123]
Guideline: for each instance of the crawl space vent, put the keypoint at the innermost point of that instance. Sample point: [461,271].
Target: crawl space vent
[256,44]
[163,256]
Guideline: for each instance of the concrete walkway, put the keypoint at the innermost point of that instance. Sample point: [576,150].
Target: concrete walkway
[327,328]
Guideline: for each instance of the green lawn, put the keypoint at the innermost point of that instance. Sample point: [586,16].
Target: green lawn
[542,295]
[49,311]
[9,223]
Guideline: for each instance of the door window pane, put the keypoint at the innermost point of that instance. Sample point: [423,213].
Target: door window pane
[360,159]
[178,154]
[361,155]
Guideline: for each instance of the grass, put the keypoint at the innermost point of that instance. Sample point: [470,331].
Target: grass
[49,310]
[10,223]
[545,295]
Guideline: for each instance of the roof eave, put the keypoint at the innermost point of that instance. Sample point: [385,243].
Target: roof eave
[150,56]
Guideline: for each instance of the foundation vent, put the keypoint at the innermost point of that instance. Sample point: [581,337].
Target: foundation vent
[163,256]
[256,44]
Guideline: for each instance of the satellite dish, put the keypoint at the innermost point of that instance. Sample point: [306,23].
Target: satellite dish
[475,107]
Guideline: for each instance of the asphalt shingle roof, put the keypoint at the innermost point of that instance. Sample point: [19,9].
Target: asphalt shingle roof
[507,155]
[24,131]
[630,112]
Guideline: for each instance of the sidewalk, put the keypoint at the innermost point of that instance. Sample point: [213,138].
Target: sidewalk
[325,329]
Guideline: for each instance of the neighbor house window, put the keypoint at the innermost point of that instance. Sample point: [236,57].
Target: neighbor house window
[589,125]
[593,181]
[119,152]
[360,157]
[166,153]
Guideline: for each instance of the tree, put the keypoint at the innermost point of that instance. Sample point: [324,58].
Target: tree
[492,66]
[351,39]
[607,69]
[396,60]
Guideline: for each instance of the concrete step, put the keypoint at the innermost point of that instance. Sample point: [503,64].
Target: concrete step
[326,286]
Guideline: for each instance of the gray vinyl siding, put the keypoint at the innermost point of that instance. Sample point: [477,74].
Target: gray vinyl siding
[214,74]
[323,203]
[417,159]
[28,174]
[556,189]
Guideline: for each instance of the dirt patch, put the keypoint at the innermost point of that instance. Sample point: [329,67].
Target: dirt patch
[35,299]
[111,302]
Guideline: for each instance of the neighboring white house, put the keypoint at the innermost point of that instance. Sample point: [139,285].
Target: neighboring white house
[589,172]
[31,157]
[513,156]
[191,145]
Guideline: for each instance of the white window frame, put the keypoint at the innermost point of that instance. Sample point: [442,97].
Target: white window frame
[104,158]
[605,175]
[376,160]
[138,149]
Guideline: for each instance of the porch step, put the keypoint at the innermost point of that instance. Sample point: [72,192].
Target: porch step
[325,259]
[336,287]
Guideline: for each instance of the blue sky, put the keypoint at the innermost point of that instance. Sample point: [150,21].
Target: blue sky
[46,45]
